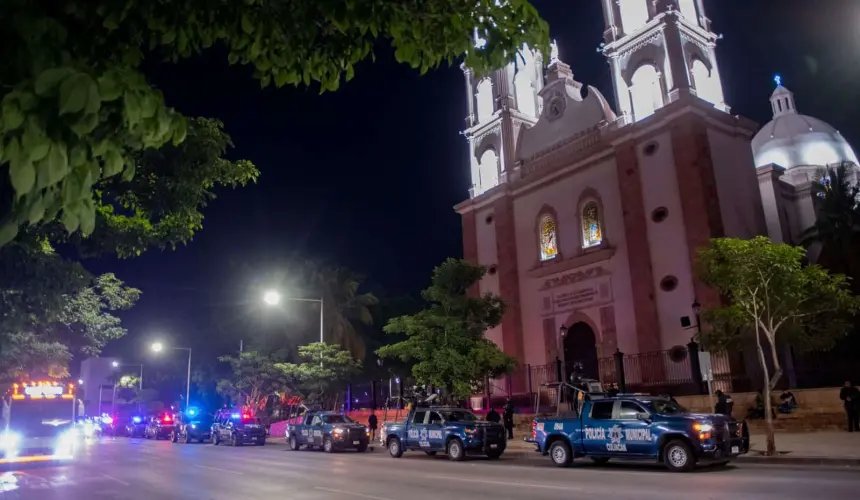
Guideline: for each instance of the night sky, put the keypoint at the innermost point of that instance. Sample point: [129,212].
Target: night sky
[366,177]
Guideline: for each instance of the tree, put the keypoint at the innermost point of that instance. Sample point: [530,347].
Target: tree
[344,306]
[836,198]
[324,370]
[52,309]
[446,339]
[76,109]
[254,377]
[772,295]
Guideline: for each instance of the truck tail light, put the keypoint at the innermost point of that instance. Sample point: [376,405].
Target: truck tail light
[534,429]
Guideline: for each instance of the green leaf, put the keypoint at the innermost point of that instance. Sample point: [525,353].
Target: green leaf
[8,231]
[37,208]
[112,163]
[132,108]
[87,215]
[70,220]
[128,173]
[13,117]
[58,163]
[23,176]
[109,86]
[34,141]
[247,24]
[48,80]
[94,100]
[85,124]
[74,92]
[180,130]
[78,155]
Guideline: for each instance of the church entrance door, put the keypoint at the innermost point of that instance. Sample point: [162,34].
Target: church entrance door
[580,346]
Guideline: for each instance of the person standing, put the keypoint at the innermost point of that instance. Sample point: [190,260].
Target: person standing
[372,423]
[850,396]
[493,415]
[509,418]
[724,405]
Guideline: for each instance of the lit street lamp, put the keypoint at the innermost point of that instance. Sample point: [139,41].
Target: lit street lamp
[273,298]
[158,347]
[115,364]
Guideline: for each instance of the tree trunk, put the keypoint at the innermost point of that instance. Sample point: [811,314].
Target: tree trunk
[768,416]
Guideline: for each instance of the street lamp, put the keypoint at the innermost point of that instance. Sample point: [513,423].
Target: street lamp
[273,298]
[114,364]
[158,347]
[80,381]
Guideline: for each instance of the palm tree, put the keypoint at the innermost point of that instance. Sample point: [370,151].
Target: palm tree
[836,198]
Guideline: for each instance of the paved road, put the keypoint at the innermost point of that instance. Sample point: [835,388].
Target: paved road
[149,470]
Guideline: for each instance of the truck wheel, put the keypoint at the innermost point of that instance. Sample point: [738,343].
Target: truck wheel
[431,453]
[494,455]
[216,440]
[678,457]
[455,450]
[188,438]
[361,448]
[294,445]
[559,452]
[328,445]
[600,460]
[173,437]
[394,447]
[234,440]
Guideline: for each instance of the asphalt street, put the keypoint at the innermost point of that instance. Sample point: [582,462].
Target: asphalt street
[136,469]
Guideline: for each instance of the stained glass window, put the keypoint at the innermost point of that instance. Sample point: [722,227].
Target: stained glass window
[548,238]
[592,232]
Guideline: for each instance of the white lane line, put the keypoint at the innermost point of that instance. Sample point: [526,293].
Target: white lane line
[342,492]
[504,483]
[120,481]
[220,470]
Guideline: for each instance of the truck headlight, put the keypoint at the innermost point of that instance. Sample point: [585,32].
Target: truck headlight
[704,429]
[337,432]
[471,432]
[10,440]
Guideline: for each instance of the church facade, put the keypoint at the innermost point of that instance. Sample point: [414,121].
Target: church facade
[589,219]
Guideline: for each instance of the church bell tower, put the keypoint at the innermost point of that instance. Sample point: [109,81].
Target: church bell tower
[659,50]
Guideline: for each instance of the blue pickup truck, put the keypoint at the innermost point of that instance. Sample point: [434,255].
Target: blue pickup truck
[453,431]
[637,427]
[330,431]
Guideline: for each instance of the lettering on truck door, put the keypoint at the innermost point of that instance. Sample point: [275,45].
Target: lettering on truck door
[435,439]
[596,428]
[636,434]
[416,426]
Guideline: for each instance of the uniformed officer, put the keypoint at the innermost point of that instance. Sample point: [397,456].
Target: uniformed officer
[509,418]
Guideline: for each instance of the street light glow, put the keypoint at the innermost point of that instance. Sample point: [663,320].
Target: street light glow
[157,347]
[272,297]
[115,364]
[80,381]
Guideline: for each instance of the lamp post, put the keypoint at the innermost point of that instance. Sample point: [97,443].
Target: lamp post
[273,298]
[697,310]
[158,347]
[562,333]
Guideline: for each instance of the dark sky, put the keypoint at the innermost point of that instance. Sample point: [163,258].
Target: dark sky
[366,177]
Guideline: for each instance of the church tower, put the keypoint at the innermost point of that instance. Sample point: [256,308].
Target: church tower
[499,105]
[659,50]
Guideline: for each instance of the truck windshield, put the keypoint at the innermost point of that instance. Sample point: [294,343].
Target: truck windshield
[40,417]
[667,407]
[458,416]
[337,419]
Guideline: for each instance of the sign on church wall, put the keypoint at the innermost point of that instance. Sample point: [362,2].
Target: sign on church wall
[579,295]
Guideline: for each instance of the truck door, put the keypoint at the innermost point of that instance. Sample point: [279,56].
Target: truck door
[596,426]
[637,437]
[414,428]
[435,437]
[316,431]
[303,432]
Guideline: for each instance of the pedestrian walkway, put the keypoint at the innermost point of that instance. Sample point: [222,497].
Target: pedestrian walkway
[824,448]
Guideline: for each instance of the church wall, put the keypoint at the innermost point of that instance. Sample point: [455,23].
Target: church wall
[666,239]
[737,185]
[488,256]
[544,309]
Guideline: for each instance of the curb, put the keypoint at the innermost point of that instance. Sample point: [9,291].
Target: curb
[744,459]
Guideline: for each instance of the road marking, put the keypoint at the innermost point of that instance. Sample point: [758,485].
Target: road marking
[220,470]
[503,483]
[120,481]
[342,492]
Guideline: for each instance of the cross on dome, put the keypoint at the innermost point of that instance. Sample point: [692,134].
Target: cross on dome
[778,80]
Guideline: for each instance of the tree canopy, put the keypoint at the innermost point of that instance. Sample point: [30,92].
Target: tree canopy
[76,108]
[324,369]
[254,376]
[774,297]
[446,339]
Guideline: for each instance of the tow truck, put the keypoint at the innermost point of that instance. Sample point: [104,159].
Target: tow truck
[637,427]
[39,422]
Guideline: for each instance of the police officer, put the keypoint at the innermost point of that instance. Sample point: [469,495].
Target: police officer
[493,415]
[724,404]
[509,418]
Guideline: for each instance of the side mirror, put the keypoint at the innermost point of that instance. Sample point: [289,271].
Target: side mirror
[643,416]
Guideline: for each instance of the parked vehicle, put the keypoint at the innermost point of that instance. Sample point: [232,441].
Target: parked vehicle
[160,426]
[453,431]
[237,429]
[640,427]
[135,426]
[192,426]
[329,431]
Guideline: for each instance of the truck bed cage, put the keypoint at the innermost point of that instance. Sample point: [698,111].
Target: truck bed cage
[574,396]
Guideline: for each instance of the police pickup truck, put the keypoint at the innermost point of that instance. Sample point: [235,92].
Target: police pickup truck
[638,427]
[453,431]
[327,430]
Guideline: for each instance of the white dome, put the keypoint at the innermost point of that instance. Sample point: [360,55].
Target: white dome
[792,140]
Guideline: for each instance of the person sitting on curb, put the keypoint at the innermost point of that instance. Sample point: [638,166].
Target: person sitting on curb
[787,403]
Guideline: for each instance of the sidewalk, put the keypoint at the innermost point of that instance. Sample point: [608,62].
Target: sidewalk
[809,448]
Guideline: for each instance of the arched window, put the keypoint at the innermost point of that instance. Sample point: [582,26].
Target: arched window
[707,84]
[688,10]
[488,169]
[592,230]
[548,238]
[634,14]
[485,100]
[646,92]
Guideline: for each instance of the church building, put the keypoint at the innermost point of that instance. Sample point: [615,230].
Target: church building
[589,218]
